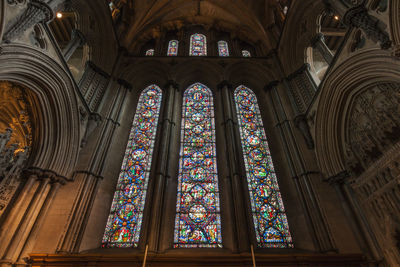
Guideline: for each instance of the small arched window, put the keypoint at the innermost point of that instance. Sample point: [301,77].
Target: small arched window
[268,213]
[198,219]
[246,53]
[173,48]
[150,52]
[125,219]
[223,49]
[198,45]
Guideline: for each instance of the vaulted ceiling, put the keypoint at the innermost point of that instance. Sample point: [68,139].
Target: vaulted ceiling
[249,20]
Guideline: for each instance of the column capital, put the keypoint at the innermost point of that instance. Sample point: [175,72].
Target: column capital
[271,85]
[223,84]
[36,12]
[173,84]
[360,18]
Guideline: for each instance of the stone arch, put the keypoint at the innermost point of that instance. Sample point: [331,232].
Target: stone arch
[338,92]
[252,75]
[395,21]
[301,33]
[149,72]
[191,71]
[54,107]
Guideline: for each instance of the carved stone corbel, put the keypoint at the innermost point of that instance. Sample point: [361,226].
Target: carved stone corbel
[36,12]
[374,28]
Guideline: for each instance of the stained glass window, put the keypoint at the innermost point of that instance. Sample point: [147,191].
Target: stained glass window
[270,221]
[198,220]
[223,49]
[150,52]
[173,48]
[246,53]
[125,219]
[198,45]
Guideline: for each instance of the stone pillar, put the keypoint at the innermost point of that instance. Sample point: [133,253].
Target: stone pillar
[88,179]
[359,223]
[302,178]
[36,12]
[19,229]
[77,40]
[232,138]
[168,129]
[319,43]
[302,89]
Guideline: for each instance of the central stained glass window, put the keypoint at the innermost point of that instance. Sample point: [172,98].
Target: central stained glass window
[198,220]
[198,45]
[173,48]
[270,221]
[223,50]
[125,220]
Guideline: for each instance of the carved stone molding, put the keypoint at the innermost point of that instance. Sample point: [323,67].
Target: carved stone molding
[16,2]
[36,12]
[374,28]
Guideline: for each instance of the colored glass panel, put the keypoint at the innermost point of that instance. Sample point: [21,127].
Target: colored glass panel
[246,53]
[150,52]
[125,219]
[173,48]
[198,220]
[223,49]
[270,221]
[198,45]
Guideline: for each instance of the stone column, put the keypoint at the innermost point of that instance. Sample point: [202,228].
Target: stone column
[10,225]
[77,40]
[168,129]
[88,179]
[301,177]
[319,43]
[36,12]
[302,89]
[235,179]
[359,223]
[20,228]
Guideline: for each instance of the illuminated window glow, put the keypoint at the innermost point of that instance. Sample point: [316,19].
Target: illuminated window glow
[173,48]
[269,218]
[125,219]
[223,49]
[198,222]
[198,45]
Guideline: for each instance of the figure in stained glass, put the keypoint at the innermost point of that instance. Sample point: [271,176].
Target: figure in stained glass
[198,222]
[246,53]
[173,48]
[150,52]
[125,219]
[198,45]
[223,49]
[270,221]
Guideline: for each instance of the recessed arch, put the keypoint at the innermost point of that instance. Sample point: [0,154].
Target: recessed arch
[54,107]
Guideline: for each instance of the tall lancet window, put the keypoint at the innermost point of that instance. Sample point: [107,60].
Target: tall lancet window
[198,220]
[223,49]
[172,48]
[270,221]
[125,219]
[198,45]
